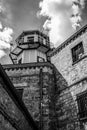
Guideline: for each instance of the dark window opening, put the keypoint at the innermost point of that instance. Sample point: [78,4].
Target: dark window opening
[40,39]
[77,52]
[20,92]
[30,39]
[40,59]
[21,41]
[82,105]
[20,61]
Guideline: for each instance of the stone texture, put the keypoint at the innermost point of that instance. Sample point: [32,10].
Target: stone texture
[63,61]
[76,78]
[10,115]
[40,85]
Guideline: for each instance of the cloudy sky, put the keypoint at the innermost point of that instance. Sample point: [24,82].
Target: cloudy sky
[20,15]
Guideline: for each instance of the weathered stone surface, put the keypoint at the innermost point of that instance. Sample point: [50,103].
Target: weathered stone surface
[64,63]
[10,115]
[76,77]
[40,88]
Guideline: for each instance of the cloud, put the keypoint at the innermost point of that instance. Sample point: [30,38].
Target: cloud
[63,17]
[5,34]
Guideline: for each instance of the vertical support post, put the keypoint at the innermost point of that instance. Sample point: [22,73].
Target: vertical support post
[41,98]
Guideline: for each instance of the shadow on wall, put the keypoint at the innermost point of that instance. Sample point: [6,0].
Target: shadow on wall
[65,105]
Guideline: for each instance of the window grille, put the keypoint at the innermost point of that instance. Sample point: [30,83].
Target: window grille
[30,39]
[82,105]
[77,52]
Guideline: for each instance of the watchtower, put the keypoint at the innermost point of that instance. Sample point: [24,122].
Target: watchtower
[31,46]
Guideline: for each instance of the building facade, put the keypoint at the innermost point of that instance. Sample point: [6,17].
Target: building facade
[52,83]
[35,78]
[13,113]
[70,58]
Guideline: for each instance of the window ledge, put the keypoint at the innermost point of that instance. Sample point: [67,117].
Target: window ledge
[79,60]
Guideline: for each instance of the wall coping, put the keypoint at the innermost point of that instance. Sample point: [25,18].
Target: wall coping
[27,65]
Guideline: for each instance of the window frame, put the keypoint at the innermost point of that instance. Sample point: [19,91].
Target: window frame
[77,52]
[38,57]
[82,105]
[30,39]
[20,61]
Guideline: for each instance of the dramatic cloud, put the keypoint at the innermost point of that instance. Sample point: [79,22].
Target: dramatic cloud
[63,17]
[5,34]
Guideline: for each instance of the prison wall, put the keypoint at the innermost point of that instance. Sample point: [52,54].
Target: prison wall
[38,84]
[75,74]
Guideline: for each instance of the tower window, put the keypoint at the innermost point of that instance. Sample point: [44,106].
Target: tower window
[40,59]
[40,39]
[77,52]
[82,105]
[20,61]
[30,39]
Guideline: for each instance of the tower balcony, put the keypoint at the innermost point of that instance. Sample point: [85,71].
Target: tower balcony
[29,46]
[33,39]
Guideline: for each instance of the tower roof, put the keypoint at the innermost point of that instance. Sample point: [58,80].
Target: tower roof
[24,33]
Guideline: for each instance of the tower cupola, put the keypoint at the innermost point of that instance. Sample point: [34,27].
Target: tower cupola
[31,46]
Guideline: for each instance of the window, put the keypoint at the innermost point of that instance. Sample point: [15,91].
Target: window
[77,52]
[20,61]
[40,39]
[40,59]
[30,39]
[82,105]
[21,41]
[20,92]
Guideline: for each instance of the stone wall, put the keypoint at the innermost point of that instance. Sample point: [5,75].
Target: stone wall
[64,63]
[75,75]
[36,83]
[67,107]
[11,117]
[39,84]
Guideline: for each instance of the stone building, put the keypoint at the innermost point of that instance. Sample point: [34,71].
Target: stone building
[70,58]
[36,80]
[13,113]
[52,83]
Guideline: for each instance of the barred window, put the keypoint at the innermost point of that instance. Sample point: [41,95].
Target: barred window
[30,39]
[82,105]
[77,52]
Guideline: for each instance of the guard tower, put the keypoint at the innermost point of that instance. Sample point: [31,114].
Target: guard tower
[31,46]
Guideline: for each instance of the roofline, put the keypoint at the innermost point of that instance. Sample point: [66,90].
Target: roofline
[27,65]
[12,92]
[31,32]
[69,40]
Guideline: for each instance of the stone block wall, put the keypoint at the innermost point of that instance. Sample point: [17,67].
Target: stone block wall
[67,110]
[36,83]
[40,85]
[11,117]
[64,63]
[48,98]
